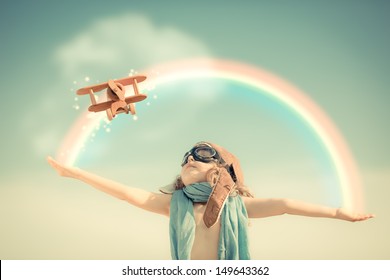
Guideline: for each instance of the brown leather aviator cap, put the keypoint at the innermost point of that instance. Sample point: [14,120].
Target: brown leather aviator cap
[228,178]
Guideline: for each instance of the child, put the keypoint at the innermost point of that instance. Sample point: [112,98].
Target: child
[208,205]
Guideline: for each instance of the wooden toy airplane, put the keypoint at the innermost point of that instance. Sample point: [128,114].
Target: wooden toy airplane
[116,102]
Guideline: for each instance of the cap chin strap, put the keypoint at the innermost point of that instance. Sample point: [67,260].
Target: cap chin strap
[218,197]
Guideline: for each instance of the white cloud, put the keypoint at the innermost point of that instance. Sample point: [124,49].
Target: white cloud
[131,41]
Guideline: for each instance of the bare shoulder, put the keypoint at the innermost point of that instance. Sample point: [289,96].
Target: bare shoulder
[161,203]
[158,203]
[162,198]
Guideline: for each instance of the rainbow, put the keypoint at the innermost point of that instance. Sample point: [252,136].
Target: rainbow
[292,98]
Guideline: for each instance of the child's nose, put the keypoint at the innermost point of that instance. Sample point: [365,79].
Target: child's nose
[190,158]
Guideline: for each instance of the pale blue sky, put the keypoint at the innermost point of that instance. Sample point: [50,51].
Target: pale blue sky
[335,51]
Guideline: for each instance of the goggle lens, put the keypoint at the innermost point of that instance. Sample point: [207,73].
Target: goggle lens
[203,154]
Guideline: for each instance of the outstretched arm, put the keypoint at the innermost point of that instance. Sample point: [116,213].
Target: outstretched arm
[158,203]
[261,208]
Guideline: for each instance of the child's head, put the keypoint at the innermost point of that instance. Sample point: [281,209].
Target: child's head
[204,162]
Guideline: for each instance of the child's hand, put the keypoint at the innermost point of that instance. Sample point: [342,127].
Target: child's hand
[62,170]
[347,215]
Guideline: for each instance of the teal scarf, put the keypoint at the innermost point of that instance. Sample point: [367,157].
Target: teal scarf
[233,239]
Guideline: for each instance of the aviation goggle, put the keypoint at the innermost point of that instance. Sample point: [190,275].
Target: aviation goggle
[204,154]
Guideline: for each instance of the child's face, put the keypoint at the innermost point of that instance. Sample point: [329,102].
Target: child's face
[195,171]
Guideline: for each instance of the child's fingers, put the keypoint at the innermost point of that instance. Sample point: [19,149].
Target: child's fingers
[52,162]
[370,216]
[363,217]
[58,167]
